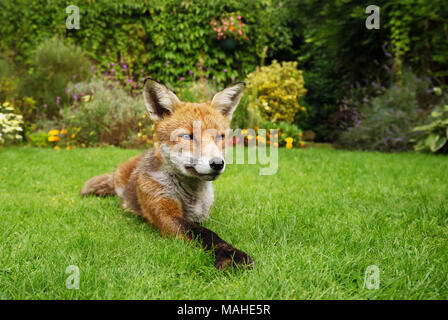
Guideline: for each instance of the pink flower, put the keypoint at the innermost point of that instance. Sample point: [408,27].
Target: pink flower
[239,17]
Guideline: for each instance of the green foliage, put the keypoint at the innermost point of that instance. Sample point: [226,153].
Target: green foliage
[106,116]
[38,139]
[55,65]
[323,93]
[245,115]
[276,91]
[165,38]
[434,136]
[385,123]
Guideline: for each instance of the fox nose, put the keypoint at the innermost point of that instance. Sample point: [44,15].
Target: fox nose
[216,163]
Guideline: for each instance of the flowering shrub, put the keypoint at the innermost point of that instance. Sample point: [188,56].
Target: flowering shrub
[230,25]
[56,64]
[102,115]
[289,135]
[279,135]
[276,91]
[10,124]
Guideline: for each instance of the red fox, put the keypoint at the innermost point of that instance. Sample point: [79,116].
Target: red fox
[170,186]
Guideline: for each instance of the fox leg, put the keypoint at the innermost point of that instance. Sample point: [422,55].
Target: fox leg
[166,214]
[102,185]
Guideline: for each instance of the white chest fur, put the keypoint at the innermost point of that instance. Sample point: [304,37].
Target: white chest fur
[197,208]
[195,196]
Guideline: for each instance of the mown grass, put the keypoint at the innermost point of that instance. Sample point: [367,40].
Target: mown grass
[312,229]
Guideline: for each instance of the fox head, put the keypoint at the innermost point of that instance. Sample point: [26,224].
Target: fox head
[192,135]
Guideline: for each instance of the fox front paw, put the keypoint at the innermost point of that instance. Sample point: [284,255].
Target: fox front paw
[226,255]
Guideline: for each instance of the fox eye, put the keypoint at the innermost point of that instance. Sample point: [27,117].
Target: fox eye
[220,137]
[186,136]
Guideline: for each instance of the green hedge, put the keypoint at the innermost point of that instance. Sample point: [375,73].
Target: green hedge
[166,39]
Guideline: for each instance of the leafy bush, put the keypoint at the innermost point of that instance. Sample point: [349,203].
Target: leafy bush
[385,122]
[434,136]
[56,64]
[276,91]
[10,124]
[105,116]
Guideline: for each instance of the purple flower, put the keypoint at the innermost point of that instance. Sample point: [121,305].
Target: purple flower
[113,70]
[233,79]
[74,96]
[130,80]
[125,66]
[91,68]
[67,91]
[167,63]
[135,85]
[200,67]
[74,76]
[141,70]
[224,70]
[113,64]
[45,106]
[181,79]
[190,72]
[106,73]
[207,68]
[214,78]
[76,85]
[58,98]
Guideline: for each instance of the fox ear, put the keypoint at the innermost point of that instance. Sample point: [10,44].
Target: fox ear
[159,100]
[227,100]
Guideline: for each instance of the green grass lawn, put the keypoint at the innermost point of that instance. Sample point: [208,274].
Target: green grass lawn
[312,229]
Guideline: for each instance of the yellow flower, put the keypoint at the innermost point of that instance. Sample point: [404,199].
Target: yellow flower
[86,98]
[144,116]
[57,148]
[53,132]
[300,134]
[63,131]
[73,136]
[53,138]
[250,137]
[69,148]
[6,104]
[276,144]
[289,141]
[301,144]
[243,132]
